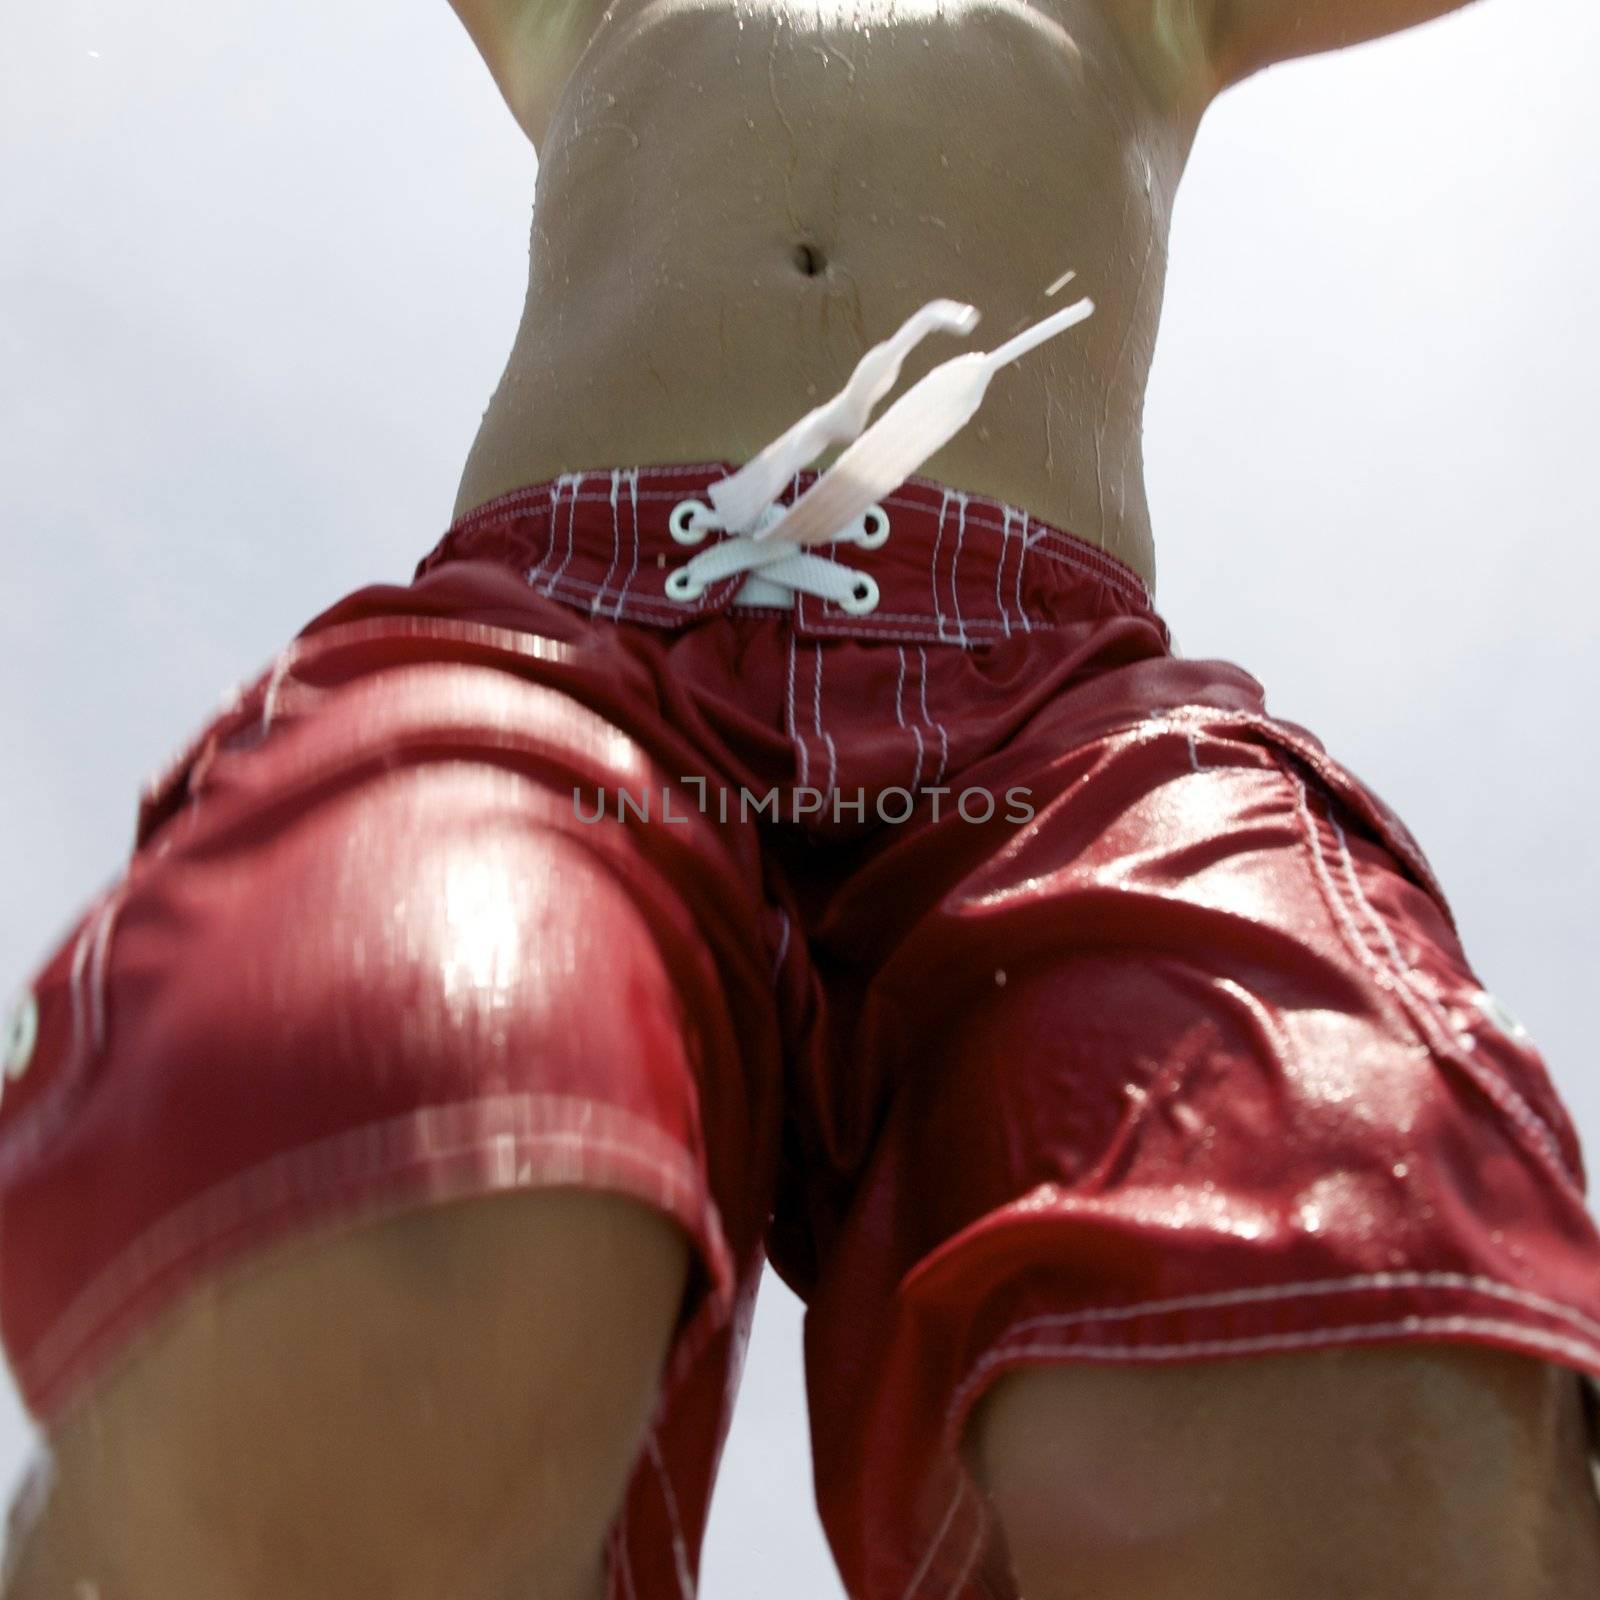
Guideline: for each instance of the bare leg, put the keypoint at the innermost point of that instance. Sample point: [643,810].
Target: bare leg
[442,1406]
[1431,1472]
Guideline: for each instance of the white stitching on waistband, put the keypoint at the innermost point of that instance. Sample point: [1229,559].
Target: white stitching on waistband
[1000,571]
[576,479]
[616,550]
[639,604]
[941,622]
[955,556]
[1022,561]
[939,628]
[631,475]
[1115,572]
[551,500]
[1065,558]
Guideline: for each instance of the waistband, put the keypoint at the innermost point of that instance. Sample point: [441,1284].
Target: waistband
[955,568]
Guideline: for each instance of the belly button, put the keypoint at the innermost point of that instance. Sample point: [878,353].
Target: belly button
[810,260]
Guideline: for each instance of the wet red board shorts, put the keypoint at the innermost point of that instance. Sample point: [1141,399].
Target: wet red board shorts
[1022,989]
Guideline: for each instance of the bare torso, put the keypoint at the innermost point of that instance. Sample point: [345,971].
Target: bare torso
[735,201]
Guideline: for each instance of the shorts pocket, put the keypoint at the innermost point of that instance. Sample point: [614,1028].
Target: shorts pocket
[1409,947]
[1361,803]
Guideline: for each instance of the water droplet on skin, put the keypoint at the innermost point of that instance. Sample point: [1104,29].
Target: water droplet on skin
[1000,977]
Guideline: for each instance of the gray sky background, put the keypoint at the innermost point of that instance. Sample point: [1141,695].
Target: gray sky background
[259,272]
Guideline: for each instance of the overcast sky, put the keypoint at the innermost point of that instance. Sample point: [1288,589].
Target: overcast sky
[260,267]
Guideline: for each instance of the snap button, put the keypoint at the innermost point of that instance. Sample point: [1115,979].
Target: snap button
[22,1034]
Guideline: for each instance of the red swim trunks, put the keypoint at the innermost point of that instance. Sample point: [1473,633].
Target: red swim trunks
[1024,990]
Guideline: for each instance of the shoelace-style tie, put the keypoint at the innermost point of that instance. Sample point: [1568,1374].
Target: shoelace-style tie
[769,541]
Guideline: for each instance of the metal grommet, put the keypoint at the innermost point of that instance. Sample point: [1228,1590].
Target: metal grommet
[22,1034]
[683,585]
[862,598]
[683,527]
[875,528]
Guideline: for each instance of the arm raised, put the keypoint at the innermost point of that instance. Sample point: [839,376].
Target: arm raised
[503,32]
[1247,35]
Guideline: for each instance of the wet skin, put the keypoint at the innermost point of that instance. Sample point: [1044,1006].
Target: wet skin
[735,201]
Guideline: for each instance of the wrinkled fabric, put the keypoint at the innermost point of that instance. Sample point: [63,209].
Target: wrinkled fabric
[1057,1002]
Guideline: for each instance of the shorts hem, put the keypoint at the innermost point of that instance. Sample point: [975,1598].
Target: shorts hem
[433,1155]
[963,1534]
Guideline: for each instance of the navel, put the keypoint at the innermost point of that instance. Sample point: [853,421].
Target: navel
[810,259]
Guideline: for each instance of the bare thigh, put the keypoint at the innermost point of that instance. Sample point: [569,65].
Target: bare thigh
[444,1405]
[1427,1472]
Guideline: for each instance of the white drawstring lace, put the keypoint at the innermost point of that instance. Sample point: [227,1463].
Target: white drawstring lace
[768,540]
[778,568]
